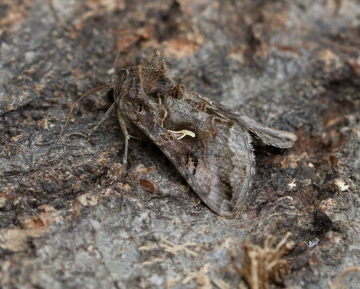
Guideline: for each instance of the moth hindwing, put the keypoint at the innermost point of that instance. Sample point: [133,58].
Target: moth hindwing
[209,144]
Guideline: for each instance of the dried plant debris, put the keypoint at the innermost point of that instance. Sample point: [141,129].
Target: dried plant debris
[260,266]
[165,247]
[172,248]
[337,284]
[210,145]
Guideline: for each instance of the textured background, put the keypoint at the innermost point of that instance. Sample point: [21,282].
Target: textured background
[68,216]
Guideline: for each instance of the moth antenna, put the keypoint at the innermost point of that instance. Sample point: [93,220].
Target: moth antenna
[91,91]
[116,60]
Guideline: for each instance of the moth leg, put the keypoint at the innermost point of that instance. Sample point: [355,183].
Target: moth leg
[111,108]
[73,107]
[88,135]
[71,112]
[126,135]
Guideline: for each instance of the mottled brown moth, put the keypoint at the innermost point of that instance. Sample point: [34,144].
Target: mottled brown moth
[210,145]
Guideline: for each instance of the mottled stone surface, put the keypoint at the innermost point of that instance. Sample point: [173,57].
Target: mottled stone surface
[72,217]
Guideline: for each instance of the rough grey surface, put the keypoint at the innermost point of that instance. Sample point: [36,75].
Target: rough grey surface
[71,217]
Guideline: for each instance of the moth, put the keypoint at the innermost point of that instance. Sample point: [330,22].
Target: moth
[209,144]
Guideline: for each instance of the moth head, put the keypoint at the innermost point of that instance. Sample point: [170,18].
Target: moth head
[121,75]
[117,81]
[150,76]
